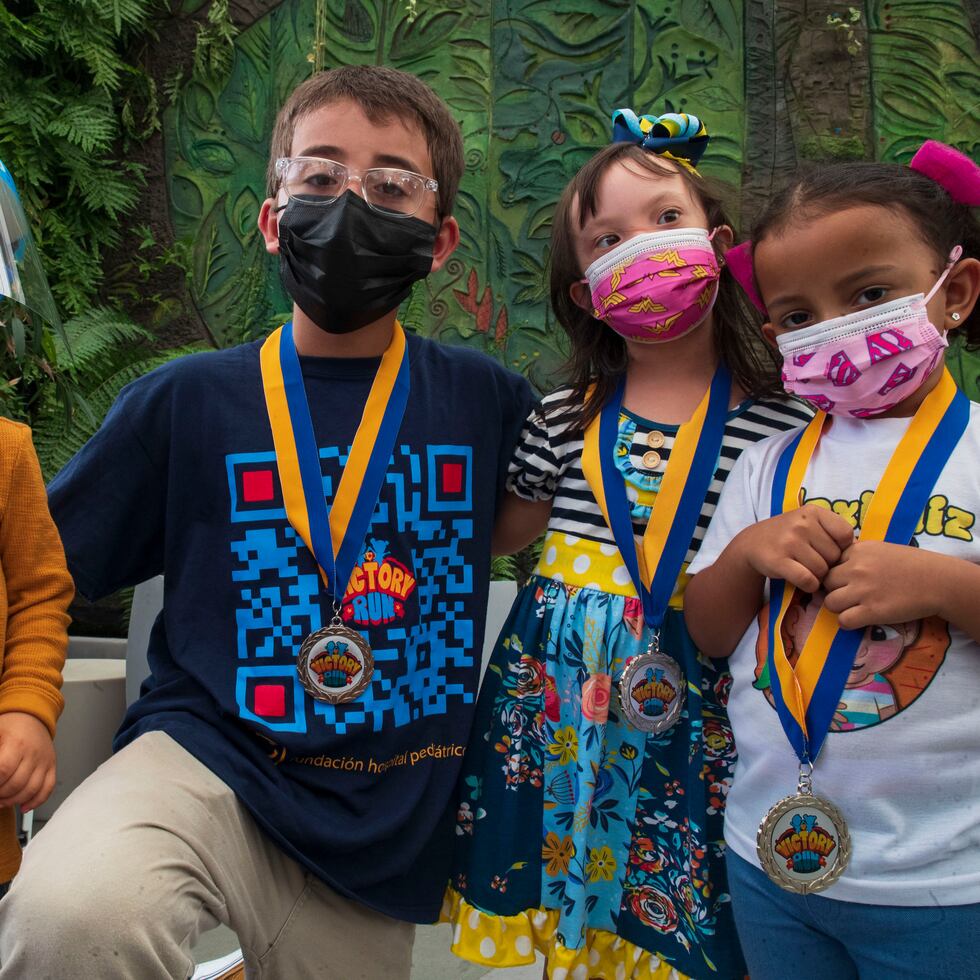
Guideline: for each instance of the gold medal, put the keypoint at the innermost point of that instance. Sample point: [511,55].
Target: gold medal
[803,842]
[335,663]
[652,690]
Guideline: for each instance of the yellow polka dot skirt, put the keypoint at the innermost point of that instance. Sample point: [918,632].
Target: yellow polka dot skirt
[585,564]
[513,940]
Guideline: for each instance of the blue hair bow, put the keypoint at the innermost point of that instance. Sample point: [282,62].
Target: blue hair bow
[675,134]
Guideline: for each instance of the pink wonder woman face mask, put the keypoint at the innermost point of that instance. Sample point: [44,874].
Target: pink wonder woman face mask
[655,287]
[865,363]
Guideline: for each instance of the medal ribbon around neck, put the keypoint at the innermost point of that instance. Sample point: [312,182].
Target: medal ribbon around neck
[806,697]
[655,568]
[335,535]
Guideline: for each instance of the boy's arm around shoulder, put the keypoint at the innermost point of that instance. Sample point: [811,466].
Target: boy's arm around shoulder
[38,586]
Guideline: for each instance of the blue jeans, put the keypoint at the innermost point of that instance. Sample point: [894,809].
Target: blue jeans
[809,937]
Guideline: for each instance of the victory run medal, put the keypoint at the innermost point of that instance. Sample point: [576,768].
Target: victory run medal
[803,842]
[335,663]
[652,687]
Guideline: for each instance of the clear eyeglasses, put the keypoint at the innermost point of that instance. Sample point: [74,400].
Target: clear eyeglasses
[314,180]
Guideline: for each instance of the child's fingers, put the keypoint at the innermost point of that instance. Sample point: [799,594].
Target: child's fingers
[813,561]
[41,796]
[840,600]
[31,788]
[11,757]
[15,782]
[856,617]
[826,545]
[836,526]
[798,575]
[835,580]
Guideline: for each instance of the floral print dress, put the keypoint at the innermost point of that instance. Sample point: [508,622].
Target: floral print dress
[580,836]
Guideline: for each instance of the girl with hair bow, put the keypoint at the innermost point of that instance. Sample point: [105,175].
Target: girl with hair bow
[867,517]
[589,824]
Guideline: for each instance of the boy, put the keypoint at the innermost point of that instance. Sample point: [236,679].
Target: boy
[289,766]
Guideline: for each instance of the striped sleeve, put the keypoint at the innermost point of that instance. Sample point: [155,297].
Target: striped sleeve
[540,458]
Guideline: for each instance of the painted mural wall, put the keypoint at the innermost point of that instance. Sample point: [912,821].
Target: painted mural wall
[533,83]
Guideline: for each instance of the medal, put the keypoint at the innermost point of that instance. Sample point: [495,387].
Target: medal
[652,686]
[335,663]
[651,690]
[806,694]
[803,843]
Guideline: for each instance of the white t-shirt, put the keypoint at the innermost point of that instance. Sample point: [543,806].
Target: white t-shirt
[902,760]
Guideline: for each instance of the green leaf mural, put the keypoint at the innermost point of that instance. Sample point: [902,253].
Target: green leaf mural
[533,85]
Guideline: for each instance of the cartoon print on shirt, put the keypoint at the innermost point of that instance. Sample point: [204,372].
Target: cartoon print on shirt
[894,664]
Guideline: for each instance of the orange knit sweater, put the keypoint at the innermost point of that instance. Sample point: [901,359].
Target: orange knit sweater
[35,589]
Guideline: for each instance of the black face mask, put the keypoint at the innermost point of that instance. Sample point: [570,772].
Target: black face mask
[345,265]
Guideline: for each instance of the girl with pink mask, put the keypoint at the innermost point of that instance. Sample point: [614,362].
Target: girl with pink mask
[859,748]
[590,815]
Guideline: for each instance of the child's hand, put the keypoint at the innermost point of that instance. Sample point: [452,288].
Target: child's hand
[800,546]
[876,583]
[27,764]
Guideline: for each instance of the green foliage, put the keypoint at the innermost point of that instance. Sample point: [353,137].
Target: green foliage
[73,100]
[926,76]
[214,49]
[533,92]
[100,353]
[73,96]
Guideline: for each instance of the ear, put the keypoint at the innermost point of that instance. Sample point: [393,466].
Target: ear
[723,239]
[962,291]
[581,296]
[269,225]
[447,238]
[769,333]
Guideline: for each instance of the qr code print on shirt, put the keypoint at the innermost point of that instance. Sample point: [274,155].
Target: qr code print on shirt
[407,593]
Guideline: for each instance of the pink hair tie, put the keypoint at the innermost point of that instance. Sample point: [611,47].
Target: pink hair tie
[738,261]
[955,172]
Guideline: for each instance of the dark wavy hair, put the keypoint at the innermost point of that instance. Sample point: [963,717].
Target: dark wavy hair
[599,355]
[940,222]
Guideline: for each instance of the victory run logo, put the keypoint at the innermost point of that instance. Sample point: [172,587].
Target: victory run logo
[805,846]
[378,588]
[335,666]
[654,694]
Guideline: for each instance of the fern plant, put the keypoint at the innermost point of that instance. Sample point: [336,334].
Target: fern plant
[73,98]
[100,353]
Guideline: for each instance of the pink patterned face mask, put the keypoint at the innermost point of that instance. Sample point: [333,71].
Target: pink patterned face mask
[865,363]
[655,287]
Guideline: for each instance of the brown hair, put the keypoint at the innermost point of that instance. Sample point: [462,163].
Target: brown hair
[385,93]
[940,222]
[598,354]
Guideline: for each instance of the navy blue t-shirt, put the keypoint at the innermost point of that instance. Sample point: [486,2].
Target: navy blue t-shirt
[181,480]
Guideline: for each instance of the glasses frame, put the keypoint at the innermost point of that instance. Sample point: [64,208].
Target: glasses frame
[428,183]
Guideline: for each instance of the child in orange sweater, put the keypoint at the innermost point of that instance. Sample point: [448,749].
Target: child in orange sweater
[35,589]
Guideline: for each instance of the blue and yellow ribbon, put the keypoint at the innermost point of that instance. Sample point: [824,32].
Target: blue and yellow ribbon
[807,697]
[335,535]
[693,458]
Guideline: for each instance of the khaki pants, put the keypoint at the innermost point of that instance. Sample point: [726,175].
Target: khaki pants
[153,849]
